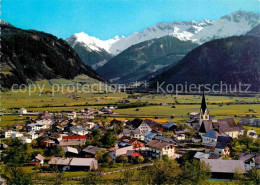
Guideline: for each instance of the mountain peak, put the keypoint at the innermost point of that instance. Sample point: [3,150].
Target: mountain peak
[4,22]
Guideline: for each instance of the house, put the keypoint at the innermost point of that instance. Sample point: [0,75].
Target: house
[69,114]
[72,115]
[60,163]
[251,133]
[144,127]
[74,140]
[132,154]
[8,133]
[155,126]
[89,125]
[160,148]
[91,151]
[171,126]
[37,160]
[83,164]
[22,111]
[211,136]
[120,151]
[39,125]
[33,135]
[201,155]
[79,130]
[46,115]
[249,160]
[25,140]
[17,135]
[179,137]
[47,143]
[115,122]
[149,136]
[224,169]
[223,145]
[161,138]
[196,138]
[226,126]
[70,151]
[133,133]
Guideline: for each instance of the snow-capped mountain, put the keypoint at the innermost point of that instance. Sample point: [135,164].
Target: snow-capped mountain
[181,30]
[235,24]
[92,43]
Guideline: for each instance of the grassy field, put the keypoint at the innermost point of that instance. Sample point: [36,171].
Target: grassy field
[219,106]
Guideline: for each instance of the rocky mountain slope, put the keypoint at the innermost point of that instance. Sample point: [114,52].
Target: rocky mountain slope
[230,61]
[29,55]
[145,58]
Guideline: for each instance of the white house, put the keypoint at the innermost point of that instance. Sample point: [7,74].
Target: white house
[136,133]
[40,124]
[120,151]
[144,127]
[72,115]
[26,140]
[33,135]
[160,148]
[22,111]
[8,133]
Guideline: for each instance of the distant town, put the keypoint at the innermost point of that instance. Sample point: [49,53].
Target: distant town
[80,141]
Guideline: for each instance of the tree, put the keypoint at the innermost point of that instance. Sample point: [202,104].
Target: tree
[59,176]
[92,178]
[161,172]
[127,177]
[195,172]
[140,159]
[122,159]
[100,155]
[108,139]
[251,178]
[15,176]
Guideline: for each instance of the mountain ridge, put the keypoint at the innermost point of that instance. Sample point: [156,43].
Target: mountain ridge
[29,55]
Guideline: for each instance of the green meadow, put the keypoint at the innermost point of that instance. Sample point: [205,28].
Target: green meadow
[56,95]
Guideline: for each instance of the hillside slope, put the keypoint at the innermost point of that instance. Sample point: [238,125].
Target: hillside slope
[145,58]
[231,60]
[29,55]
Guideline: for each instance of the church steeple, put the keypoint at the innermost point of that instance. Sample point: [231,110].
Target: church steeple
[203,103]
[204,113]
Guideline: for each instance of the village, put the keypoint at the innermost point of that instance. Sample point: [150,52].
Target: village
[76,141]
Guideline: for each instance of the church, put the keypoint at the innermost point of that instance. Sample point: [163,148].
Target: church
[219,127]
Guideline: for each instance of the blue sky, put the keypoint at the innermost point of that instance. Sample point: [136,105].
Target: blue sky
[107,18]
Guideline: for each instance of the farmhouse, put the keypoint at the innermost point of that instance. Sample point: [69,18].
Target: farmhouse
[91,151]
[224,169]
[74,163]
[160,148]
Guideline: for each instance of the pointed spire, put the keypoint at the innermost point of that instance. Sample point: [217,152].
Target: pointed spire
[203,103]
